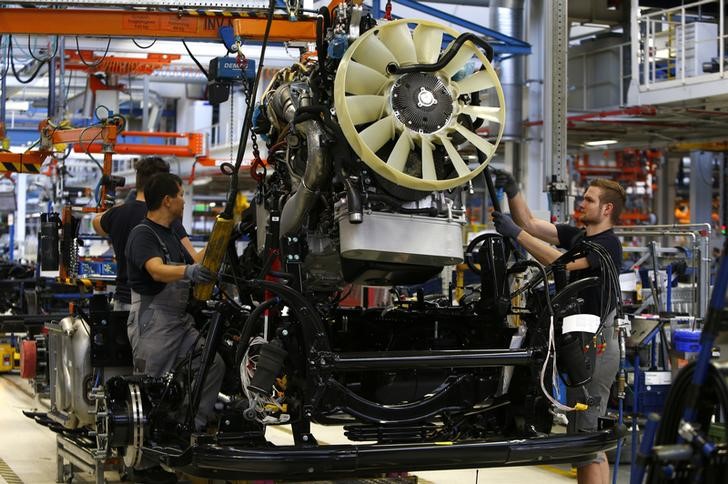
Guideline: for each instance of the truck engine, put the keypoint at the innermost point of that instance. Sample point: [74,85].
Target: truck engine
[372,144]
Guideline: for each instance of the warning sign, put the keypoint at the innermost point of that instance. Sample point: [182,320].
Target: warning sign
[179,24]
[141,22]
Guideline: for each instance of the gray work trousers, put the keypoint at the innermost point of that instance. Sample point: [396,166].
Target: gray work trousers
[162,335]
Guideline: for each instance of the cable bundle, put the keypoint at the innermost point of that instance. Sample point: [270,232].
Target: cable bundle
[263,405]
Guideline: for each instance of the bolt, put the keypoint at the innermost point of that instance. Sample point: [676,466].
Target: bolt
[103,322]
[227,422]
[296,257]
[290,257]
[305,438]
[310,470]
[295,239]
[284,332]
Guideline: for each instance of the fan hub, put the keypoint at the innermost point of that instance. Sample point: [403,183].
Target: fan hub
[425,98]
[422,102]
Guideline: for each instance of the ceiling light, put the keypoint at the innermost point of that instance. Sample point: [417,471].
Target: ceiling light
[601,142]
[205,180]
[17,105]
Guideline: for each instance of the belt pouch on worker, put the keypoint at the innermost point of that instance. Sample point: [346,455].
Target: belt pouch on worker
[576,348]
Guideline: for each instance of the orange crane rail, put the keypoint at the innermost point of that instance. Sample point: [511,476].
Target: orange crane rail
[182,24]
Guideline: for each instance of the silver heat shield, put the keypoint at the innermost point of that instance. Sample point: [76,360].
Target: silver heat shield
[401,238]
[71,373]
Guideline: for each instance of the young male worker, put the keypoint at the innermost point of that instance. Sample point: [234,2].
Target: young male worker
[160,274]
[118,221]
[602,204]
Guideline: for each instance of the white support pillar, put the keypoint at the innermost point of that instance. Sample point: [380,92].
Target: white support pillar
[187,218]
[21,195]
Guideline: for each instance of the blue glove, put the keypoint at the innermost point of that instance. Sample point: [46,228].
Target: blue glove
[199,274]
[505,225]
[506,182]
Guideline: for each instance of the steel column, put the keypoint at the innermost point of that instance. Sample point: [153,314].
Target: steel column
[555,111]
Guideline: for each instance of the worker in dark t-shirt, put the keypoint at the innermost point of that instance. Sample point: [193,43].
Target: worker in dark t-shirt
[118,221]
[602,204]
[160,275]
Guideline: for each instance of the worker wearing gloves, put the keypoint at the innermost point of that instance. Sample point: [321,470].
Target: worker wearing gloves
[118,221]
[601,206]
[161,272]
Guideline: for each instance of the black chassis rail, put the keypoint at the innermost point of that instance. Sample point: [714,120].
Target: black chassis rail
[289,462]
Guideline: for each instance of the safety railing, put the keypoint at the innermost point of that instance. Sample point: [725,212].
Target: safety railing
[698,239]
[681,45]
[590,85]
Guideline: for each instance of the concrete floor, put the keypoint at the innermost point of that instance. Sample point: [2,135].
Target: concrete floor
[28,451]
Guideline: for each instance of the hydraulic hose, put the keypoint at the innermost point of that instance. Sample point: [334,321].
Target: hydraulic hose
[446,57]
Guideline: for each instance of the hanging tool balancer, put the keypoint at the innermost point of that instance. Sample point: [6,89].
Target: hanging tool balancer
[223,73]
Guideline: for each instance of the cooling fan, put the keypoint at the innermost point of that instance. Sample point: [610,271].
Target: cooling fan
[410,128]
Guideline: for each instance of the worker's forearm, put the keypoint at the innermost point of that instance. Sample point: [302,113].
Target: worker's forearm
[520,211]
[167,273]
[543,252]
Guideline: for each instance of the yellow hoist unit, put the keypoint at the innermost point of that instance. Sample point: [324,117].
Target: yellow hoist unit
[214,254]
[7,358]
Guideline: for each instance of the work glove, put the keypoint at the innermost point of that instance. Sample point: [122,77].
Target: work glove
[505,225]
[198,273]
[505,180]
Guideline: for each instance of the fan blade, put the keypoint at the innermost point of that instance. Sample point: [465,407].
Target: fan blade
[376,135]
[373,53]
[465,53]
[428,162]
[398,39]
[475,82]
[361,79]
[480,143]
[365,109]
[457,160]
[489,113]
[400,153]
[428,43]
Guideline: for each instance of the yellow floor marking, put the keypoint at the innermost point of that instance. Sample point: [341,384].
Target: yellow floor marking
[7,473]
[562,472]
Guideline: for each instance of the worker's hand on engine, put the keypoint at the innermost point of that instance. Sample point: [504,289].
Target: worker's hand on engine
[505,180]
[505,225]
[199,274]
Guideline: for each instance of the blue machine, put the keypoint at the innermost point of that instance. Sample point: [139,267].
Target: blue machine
[228,69]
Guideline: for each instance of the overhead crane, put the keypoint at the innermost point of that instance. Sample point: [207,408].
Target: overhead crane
[187,24]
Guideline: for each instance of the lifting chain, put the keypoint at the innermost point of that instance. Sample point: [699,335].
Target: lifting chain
[257,168]
[232,123]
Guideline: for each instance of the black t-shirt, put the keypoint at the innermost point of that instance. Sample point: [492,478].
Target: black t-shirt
[118,222]
[143,245]
[592,296]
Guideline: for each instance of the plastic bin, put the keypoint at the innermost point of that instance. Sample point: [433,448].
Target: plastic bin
[686,340]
